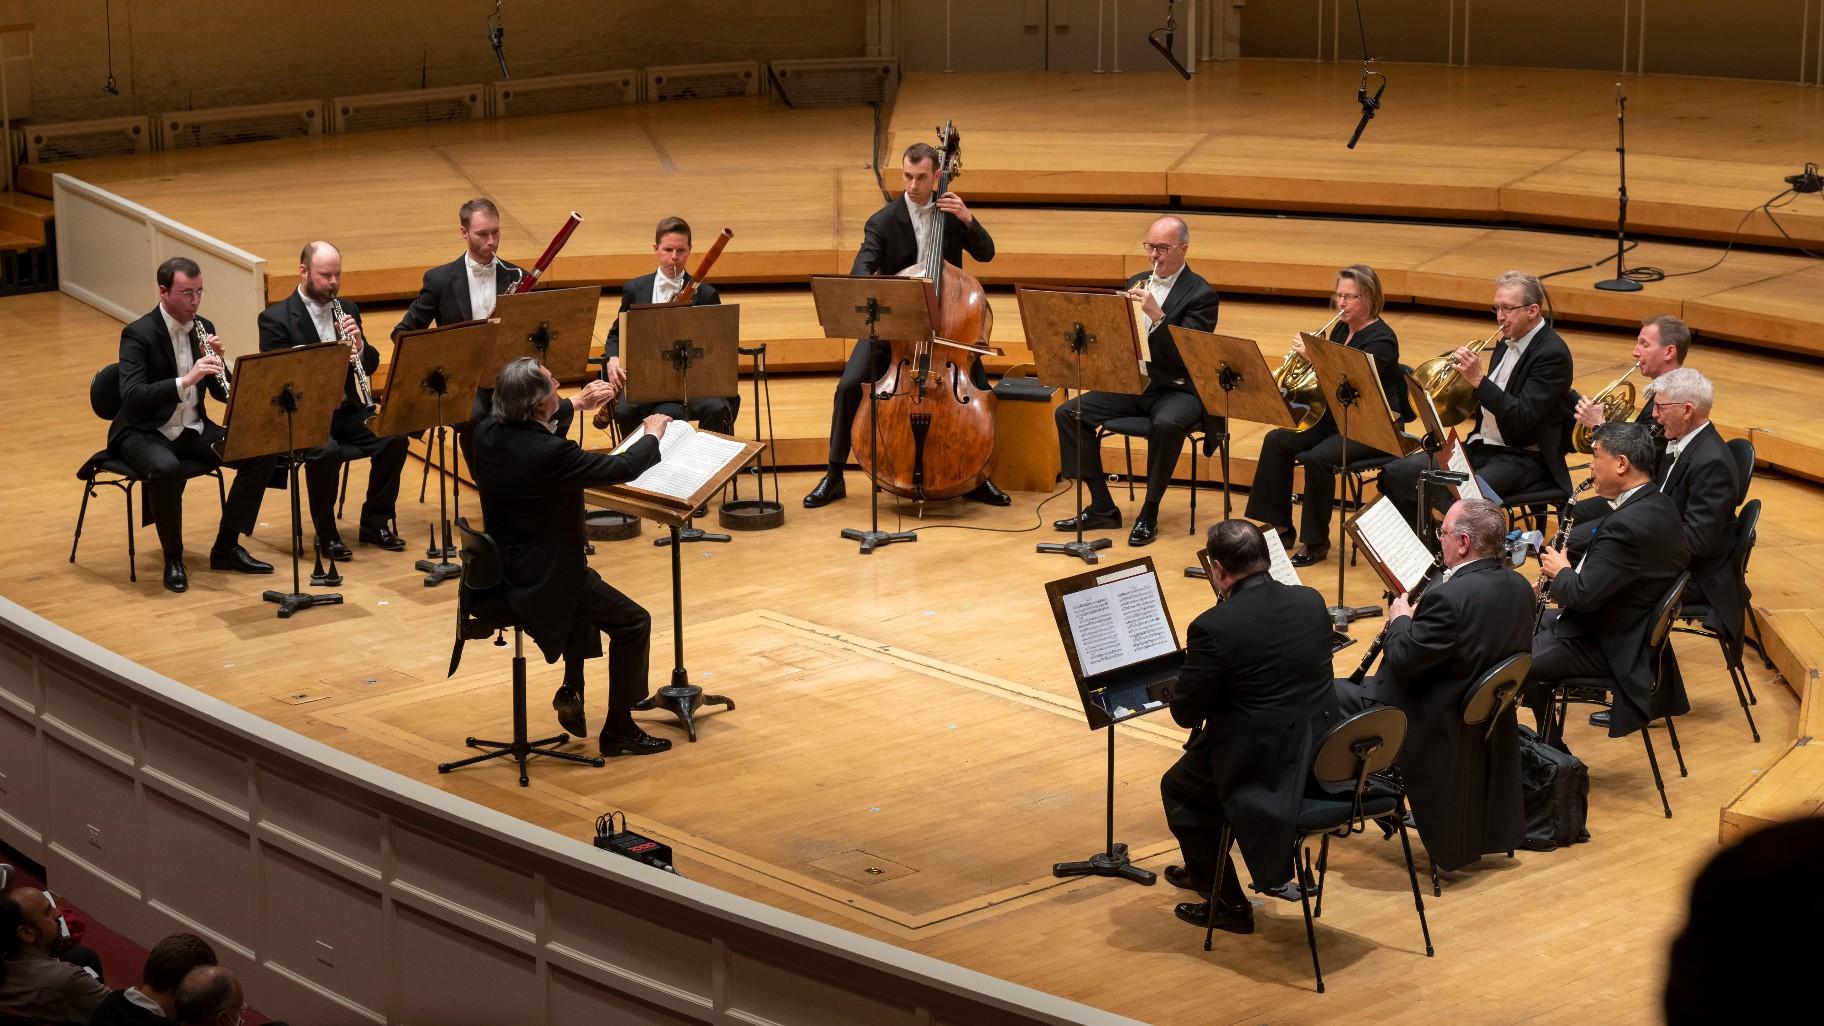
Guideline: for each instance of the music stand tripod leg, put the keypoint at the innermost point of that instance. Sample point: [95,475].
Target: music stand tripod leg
[437,567]
[1112,860]
[681,698]
[295,599]
[873,538]
[1084,550]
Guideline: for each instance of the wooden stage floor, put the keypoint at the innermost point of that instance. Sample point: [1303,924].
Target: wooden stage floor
[909,712]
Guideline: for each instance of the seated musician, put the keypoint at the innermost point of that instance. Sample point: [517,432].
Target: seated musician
[1255,688]
[1319,447]
[671,241]
[1171,294]
[466,288]
[1608,598]
[1660,348]
[164,371]
[898,238]
[307,317]
[1520,432]
[531,478]
[1464,782]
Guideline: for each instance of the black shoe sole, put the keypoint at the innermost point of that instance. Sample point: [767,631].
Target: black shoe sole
[615,749]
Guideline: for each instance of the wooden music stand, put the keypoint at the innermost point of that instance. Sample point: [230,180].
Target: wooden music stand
[552,326]
[681,697]
[1435,442]
[426,367]
[1082,339]
[1124,655]
[676,352]
[1352,390]
[874,308]
[283,402]
[1232,367]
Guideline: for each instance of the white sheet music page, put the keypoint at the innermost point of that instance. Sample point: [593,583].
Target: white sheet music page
[1390,538]
[1279,565]
[1119,623]
[688,459]
[1458,462]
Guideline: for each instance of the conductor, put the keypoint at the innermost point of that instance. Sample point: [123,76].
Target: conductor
[531,480]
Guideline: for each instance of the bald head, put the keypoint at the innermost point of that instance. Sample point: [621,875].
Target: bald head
[320,271]
[28,922]
[1167,240]
[210,995]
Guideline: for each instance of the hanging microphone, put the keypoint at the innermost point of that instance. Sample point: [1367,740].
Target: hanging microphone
[1370,104]
[1165,47]
[497,33]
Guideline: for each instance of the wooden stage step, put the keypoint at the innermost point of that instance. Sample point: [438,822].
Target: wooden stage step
[26,216]
[1791,787]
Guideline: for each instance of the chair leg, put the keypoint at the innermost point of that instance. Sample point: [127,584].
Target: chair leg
[1323,872]
[1759,645]
[1412,873]
[1128,445]
[1222,870]
[132,553]
[1304,896]
[1646,737]
[1193,527]
[1739,676]
[342,492]
[221,489]
[1672,731]
[88,489]
[1437,885]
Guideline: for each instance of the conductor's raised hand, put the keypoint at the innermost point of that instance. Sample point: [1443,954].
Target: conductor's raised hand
[656,424]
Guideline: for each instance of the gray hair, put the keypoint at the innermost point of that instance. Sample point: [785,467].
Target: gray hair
[1685,385]
[1485,524]
[1184,230]
[1531,290]
[520,389]
[1630,441]
[1239,546]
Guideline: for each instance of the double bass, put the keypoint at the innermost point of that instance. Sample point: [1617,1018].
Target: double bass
[936,428]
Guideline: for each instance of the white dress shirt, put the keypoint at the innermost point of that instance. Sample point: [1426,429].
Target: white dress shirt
[924,222]
[481,286]
[665,289]
[319,316]
[1491,431]
[1677,445]
[189,412]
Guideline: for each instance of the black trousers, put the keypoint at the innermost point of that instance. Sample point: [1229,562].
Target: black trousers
[1320,449]
[1558,658]
[1507,471]
[714,414]
[1193,811]
[157,460]
[1171,415]
[865,366]
[629,630]
[351,440]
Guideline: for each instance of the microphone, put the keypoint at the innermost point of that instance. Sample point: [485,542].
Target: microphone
[1165,47]
[497,33]
[1370,104]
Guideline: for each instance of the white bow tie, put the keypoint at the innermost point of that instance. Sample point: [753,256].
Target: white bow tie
[482,272]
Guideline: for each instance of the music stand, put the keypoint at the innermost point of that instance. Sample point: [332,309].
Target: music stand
[681,697]
[427,366]
[1124,654]
[552,326]
[676,352]
[1351,385]
[873,309]
[281,397]
[1083,339]
[1434,441]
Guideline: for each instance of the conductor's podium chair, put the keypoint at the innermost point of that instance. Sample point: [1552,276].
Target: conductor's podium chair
[480,611]
[106,468]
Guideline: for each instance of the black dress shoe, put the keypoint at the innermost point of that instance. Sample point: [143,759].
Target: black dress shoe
[988,495]
[1178,876]
[175,578]
[1236,920]
[335,550]
[236,558]
[641,743]
[1145,530]
[381,537]
[1311,555]
[1600,718]
[1093,520]
[569,705]
[827,491]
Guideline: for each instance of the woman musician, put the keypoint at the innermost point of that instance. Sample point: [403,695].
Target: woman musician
[1358,300]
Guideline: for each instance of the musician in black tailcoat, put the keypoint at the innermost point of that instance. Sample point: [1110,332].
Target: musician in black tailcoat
[162,420]
[1659,349]
[1608,599]
[1522,408]
[306,317]
[531,478]
[465,289]
[1359,301]
[896,237]
[1171,294]
[1255,687]
[671,241]
[1464,779]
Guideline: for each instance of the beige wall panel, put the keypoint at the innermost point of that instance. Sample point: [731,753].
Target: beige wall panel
[96,822]
[1005,36]
[574,999]
[449,976]
[332,933]
[189,763]
[315,817]
[1764,38]
[213,885]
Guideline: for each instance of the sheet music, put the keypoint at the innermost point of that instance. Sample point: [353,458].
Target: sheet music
[1279,565]
[1119,623]
[1458,462]
[688,460]
[1390,538]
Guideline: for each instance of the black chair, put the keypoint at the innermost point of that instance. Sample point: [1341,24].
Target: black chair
[1347,766]
[481,611]
[1743,452]
[105,468]
[1200,439]
[1600,691]
[1536,507]
[1697,612]
[1491,696]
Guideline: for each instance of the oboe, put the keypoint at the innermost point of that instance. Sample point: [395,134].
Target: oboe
[1380,640]
[202,342]
[1544,585]
[363,389]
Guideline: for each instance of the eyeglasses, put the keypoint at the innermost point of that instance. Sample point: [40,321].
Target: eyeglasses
[1160,248]
[191,293]
[1502,308]
[1346,297]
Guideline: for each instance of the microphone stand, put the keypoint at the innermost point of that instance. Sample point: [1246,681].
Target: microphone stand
[1621,282]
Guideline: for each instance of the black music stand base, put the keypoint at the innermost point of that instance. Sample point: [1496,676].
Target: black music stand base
[1342,616]
[1084,550]
[691,534]
[607,525]
[291,601]
[520,748]
[871,540]
[682,701]
[751,514]
[1112,860]
[1619,285]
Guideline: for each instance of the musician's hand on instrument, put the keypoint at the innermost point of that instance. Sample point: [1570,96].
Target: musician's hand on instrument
[1298,344]
[1469,365]
[1150,306]
[952,204]
[655,425]
[206,365]
[1552,562]
[1399,607]
[351,330]
[617,374]
[1589,414]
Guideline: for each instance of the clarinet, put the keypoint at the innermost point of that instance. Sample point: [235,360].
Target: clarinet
[202,342]
[1543,584]
[1380,640]
[364,391]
